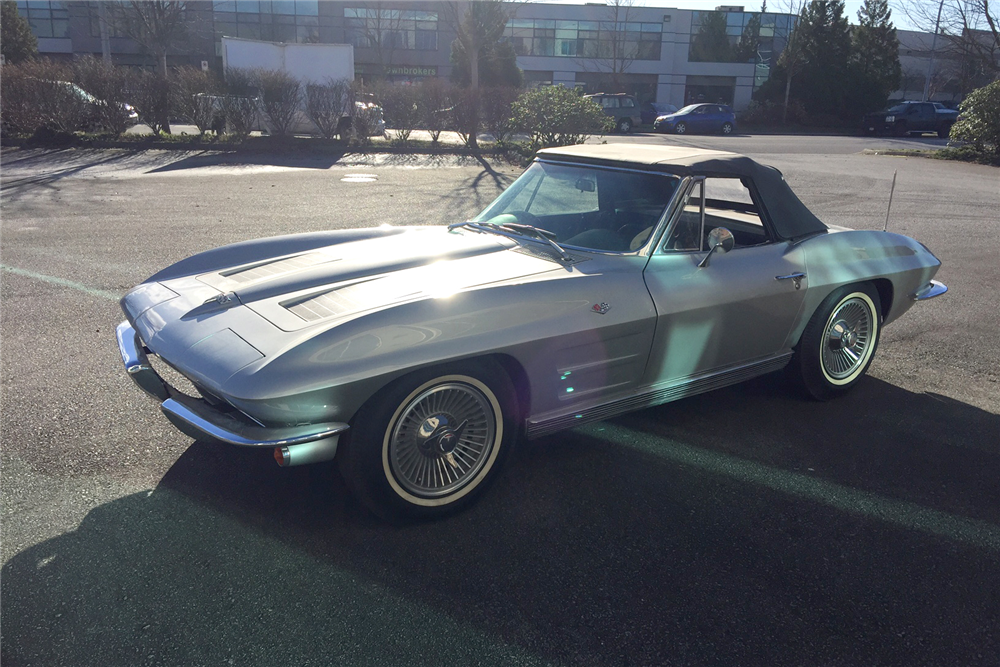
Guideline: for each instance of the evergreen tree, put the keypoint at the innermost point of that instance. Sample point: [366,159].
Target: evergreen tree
[17,43]
[825,49]
[875,57]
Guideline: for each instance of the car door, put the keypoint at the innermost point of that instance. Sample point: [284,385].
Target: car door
[696,119]
[713,122]
[925,117]
[737,309]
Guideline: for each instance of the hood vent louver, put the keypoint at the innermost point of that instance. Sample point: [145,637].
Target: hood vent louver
[272,269]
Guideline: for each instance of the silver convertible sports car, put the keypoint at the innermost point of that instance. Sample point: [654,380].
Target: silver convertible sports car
[605,279]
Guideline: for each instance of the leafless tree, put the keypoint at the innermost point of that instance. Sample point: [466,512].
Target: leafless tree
[477,28]
[280,97]
[616,53]
[155,26]
[110,87]
[365,116]
[326,105]
[195,96]
[497,114]
[968,31]
[793,57]
[402,113]
[434,100]
[240,104]
[381,32]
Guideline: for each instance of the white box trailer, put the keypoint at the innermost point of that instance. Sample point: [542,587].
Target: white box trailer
[309,63]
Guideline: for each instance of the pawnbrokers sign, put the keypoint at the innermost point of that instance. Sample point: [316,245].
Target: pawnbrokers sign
[407,70]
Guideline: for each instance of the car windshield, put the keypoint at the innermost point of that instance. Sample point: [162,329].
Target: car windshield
[689,108]
[585,207]
[899,108]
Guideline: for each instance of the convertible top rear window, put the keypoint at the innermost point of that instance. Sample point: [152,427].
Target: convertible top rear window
[588,207]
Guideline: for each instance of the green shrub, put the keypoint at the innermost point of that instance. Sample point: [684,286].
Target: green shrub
[559,116]
[767,113]
[979,121]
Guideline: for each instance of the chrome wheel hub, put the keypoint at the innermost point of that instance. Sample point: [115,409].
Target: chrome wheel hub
[442,439]
[848,337]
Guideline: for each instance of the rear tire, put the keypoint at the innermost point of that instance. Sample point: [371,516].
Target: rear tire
[727,128]
[625,126]
[429,444]
[839,343]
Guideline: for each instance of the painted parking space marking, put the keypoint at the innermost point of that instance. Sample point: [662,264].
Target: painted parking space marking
[62,282]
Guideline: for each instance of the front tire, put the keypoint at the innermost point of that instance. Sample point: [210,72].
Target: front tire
[430,443]
[625,126]
[681,128]
[839,343]
[944,131]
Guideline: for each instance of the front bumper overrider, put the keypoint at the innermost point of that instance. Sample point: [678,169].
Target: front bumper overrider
[199,419]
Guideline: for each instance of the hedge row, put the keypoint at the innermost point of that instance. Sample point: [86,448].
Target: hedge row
[91,95]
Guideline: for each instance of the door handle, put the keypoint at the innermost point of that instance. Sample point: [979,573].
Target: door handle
[794,277]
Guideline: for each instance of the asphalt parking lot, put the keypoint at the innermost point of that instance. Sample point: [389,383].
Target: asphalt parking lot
[743,527]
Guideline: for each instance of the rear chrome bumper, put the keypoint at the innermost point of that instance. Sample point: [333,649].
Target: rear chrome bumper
[199,419]
[929,291]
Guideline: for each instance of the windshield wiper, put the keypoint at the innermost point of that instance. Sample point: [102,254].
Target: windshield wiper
[540,234]
[519,229]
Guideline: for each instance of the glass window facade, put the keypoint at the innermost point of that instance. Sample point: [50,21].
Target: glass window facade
[47,19]
[94,16]
[738,36]
[391,28]
[585,39]
[269,20]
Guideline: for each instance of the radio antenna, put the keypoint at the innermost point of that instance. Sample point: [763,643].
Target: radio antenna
[889,208]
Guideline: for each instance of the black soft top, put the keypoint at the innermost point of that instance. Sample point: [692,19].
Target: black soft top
[788,215]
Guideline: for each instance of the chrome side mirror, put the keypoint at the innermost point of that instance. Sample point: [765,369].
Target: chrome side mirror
[720,239]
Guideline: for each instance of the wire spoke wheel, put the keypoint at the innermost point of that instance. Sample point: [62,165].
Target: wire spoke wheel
[839,342]
[441,439]
[848,338]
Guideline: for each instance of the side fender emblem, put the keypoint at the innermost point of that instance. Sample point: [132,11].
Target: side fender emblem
[601,308]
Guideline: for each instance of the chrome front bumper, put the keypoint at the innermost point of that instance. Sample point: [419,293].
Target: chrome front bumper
[929,291]
[199,419]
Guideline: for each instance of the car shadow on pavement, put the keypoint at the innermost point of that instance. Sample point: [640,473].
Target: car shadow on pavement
[742,527]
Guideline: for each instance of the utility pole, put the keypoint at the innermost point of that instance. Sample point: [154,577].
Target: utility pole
[930,65]
[102,20]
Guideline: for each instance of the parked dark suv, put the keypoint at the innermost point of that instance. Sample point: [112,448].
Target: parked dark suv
[623,108]
[906,117]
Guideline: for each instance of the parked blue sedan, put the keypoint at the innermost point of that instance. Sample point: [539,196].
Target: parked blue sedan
[698,118]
